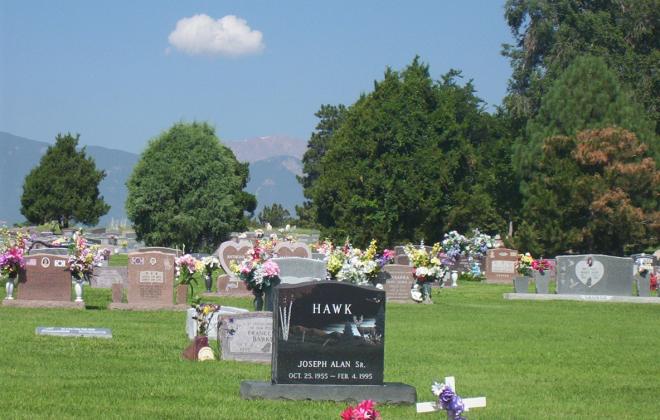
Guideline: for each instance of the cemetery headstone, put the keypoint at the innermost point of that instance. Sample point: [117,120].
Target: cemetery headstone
[247,337]
[295,249]
[397,281]
[212,329]
[400,257]
[501,265]
[328,344]
[232,286]
[150,282]
[165,250]
[49,251]
[46,283]
[318,256]
[232,251]
[594,275]
[105,277]
[298,270]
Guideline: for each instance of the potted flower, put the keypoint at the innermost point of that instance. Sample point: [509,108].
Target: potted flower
[260,275]
[427,268]
[186,266]
[541,271]
[211,264]
[524,270]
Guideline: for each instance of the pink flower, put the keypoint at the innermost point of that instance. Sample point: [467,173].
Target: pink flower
[389,254]
[271,269]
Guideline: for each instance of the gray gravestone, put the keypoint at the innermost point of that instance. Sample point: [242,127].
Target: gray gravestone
[212,329]
[594,275]
[175,252]
[397,281]
[105,277]
[247,337]
[49,251]
[297,270]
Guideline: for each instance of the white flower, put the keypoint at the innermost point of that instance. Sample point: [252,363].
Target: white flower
[437,388]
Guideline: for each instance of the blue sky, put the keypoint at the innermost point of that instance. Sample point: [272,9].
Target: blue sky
[121,72]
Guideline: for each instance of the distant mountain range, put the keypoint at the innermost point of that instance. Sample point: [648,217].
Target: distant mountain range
[274,164]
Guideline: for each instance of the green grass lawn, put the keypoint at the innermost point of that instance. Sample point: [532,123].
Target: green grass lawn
[530,359]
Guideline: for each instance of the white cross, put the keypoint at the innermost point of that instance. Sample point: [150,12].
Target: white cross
[430,407]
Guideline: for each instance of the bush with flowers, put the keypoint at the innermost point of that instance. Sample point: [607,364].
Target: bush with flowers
[363,411]
[428,266]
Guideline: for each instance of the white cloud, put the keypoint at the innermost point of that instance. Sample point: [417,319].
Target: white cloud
[228,36]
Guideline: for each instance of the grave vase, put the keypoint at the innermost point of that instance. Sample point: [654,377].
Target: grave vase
[426,293]
[258,300]
[9,287]
[643,285]
[78,288]
[454,278]
[542,281]
[208,281]
[520,284]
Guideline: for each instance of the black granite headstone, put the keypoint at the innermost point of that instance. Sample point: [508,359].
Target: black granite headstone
[328,332]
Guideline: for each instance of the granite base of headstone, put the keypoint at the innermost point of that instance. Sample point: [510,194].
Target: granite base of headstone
[328,344]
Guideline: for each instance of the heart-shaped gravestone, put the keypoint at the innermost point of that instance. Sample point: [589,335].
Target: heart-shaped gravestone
[231,251]
[297,249]
[589,274]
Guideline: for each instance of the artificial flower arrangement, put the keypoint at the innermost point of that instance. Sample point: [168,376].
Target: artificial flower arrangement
[186,266]
[354,265]
[428,266]
[257,270]
[363,411]
[454,245]
[449,401]
[12,251]
[542,265]
[211,264]
[478,244]
[82,258]
[203,314]
[524,264]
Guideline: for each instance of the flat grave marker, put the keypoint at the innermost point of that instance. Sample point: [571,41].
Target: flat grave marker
[75,332]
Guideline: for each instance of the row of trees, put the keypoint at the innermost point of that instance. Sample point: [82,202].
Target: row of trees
[568,163]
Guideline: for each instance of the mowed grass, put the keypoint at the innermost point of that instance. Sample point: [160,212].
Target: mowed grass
[530,359]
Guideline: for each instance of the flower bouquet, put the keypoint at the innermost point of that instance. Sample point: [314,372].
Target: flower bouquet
[524,269]
[362,267]
[364,411]
[541,270]
[427,268]
[449,401]
[186,266]
[211,264]
[259,273]
[82,258]
[203,314]
[454,245]
[541,265]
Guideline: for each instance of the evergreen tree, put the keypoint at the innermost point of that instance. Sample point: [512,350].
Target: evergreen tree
[275,214]
[402,161]
[64,187]
[595,192]
[549,35]
[187,189]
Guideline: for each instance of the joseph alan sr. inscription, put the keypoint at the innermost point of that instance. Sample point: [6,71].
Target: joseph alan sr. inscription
[328,333]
